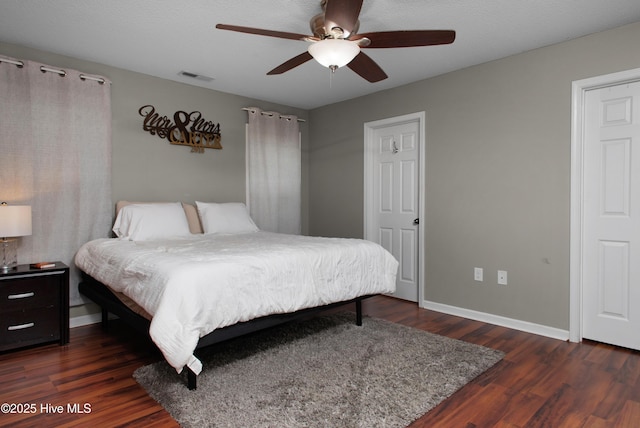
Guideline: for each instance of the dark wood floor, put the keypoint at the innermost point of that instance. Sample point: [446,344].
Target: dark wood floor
[541,382]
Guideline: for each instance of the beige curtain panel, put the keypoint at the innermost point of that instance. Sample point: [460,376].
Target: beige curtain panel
[55,144]
[274,171]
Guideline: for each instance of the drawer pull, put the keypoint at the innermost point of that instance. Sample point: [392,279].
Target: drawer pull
[21,296]
[20,327]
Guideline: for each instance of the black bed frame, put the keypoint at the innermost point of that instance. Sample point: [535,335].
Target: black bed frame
[109,303]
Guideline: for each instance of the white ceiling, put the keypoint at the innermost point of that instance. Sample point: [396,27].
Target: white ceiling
[163,37]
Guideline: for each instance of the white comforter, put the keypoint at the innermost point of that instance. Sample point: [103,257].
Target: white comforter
[195,285]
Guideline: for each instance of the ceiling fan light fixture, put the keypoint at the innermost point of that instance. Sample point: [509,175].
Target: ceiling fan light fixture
[334,53]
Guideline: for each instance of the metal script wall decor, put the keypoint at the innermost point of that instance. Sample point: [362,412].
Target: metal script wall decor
[186,129]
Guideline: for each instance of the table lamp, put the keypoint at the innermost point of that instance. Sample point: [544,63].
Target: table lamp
[15,221]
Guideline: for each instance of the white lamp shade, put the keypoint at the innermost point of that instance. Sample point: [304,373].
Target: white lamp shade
[334,52]
[15,220]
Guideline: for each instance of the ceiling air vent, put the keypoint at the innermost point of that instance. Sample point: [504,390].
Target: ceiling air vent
[196,76]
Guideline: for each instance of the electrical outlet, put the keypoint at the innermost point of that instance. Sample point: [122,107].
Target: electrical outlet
[478,274]
[502,277]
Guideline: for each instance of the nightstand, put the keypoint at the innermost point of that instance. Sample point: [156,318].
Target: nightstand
[34,306]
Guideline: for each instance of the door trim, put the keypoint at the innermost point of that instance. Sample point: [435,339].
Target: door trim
[369,129]
[579,89]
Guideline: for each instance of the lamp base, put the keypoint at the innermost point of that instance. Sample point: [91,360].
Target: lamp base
[8,254]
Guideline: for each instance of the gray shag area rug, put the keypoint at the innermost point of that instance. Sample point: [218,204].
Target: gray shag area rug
[322,372]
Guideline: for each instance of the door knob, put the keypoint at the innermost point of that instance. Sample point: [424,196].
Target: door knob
[416,221]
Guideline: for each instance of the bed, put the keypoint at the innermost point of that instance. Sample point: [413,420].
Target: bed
[194,275]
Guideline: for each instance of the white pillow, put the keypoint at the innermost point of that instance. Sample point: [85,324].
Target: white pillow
[143,222]
[230,217]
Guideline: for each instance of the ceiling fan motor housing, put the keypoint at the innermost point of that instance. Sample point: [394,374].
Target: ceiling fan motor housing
[318,29]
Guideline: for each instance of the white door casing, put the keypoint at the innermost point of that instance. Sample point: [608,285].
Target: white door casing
[394,168]
[605,214]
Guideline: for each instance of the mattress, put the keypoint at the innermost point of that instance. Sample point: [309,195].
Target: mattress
[194,285]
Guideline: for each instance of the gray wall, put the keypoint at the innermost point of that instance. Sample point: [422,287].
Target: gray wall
[146,168]
[497,172]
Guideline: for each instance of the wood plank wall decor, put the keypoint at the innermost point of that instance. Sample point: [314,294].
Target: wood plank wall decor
[186,129]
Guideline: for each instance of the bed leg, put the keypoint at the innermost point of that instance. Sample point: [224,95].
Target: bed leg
[105,318]
[191,379]
[359,312]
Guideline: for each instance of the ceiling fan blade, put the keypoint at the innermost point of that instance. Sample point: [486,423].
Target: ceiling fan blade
[343,14]
[367,68]
[406,39]
[292,63]
[261,32]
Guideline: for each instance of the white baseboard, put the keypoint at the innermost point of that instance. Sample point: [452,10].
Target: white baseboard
[85,320]
[529,327]
[88,320]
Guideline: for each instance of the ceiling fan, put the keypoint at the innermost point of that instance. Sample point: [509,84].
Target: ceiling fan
[335,41]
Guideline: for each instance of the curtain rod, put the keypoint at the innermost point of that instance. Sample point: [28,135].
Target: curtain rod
[270,114]
[62,73]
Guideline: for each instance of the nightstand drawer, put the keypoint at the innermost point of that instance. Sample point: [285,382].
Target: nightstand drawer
[30,326]
[30,292]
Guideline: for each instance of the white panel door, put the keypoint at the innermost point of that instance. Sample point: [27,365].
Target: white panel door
[611,207]
[395,200]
